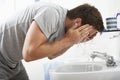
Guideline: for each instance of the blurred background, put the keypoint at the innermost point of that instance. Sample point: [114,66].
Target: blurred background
[106,42]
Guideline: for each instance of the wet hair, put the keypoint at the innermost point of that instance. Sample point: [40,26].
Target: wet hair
[89,15]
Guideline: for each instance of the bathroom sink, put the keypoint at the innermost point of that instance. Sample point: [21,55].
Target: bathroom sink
[79,68]
[85,71]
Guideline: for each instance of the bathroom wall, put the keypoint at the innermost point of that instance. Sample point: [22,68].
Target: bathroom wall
[80,52]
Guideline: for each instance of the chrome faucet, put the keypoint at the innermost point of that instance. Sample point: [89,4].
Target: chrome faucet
[109,59]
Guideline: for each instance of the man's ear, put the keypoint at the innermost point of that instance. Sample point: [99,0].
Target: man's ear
[78,21]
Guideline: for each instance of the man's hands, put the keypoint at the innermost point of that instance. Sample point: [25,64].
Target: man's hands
[79,34]
[76,34]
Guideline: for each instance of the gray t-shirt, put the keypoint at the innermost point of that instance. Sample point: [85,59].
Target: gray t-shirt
[50,18]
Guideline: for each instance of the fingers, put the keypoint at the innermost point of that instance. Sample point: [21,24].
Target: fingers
[78,34]
[90,36]
[93,34]
[83,36]
[79,28]
[86,26]
[87,33]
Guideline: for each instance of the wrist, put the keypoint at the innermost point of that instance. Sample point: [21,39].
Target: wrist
[67,42]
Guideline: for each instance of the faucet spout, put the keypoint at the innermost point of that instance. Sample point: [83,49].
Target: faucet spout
[109,59]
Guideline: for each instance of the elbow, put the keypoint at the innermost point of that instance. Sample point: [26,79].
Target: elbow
[31,53]
[27,55]
[26,58]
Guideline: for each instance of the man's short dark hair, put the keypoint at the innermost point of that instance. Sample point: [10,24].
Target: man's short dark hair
[89,15]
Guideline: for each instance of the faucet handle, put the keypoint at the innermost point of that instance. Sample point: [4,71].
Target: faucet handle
[100,54]
[110,61]
[96,52]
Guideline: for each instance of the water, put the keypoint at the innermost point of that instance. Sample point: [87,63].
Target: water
[92,62]
[92,59]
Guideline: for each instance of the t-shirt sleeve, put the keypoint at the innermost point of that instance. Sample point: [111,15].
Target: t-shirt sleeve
[47,20]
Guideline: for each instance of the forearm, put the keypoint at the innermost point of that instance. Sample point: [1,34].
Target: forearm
[58,54]
[47,49]
[36,47]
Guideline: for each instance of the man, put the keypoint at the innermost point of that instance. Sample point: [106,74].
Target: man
[43,30]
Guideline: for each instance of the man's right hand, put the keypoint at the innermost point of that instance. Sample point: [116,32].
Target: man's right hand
[78,34]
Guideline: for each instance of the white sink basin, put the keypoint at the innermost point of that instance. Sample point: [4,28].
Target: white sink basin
[85,71]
